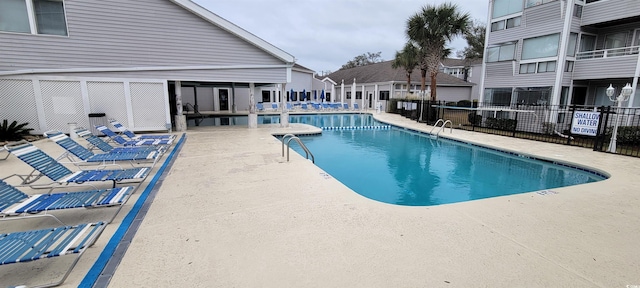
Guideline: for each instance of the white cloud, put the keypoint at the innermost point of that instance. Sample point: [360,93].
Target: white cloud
[324,35]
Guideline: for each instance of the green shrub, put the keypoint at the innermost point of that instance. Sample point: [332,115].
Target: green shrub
[501,124]
[548,128]
[392,106]
[452,104]
[13,131]
[474,119]
[464,103]
[626,134]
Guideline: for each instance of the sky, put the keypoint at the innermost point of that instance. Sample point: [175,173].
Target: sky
[325,34]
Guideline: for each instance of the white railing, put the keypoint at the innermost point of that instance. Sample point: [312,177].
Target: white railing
[614,52]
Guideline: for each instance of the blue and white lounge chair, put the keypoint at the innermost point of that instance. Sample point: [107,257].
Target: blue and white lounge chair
[97,142]
[304,107]
[14,202]
[355,106]
[259,107]
[325,106]
[274,106]
[290,107]
[142,142]
[315,106]
[26,246]
[45,165]
[345,106]
[133,136]
[84,155]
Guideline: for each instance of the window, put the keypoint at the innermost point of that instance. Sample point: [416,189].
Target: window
[548,66]
[564,97]
[506,24]
[615,40]
[533,95]
[497,96]
[577,11]
[538,67]
[513,22]
[571,46]
[527,68]
[384,95]
[358,94]
[25,16]
[266,96]
[497,26]
[327,96]
[503,52]
[540,47]
[531,3]
[587,42]
[348,95]
[506,7]
[568,67]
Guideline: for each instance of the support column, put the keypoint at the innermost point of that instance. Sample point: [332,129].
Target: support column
[333,93]
[364,97]
[284,112]
[180,118]
[253,117]
[353,93]
[234,108]
[342,92]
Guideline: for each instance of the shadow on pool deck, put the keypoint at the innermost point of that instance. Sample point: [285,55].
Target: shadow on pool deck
[232,213]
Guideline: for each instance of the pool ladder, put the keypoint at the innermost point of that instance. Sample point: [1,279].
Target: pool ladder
[289,138]
[440,128]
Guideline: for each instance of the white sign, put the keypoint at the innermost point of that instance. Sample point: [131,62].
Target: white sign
[585,123]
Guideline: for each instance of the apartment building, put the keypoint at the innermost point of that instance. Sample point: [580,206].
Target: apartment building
[560,52]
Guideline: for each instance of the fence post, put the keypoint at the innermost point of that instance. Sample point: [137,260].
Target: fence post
[602,128]
[515,127]
[573,112]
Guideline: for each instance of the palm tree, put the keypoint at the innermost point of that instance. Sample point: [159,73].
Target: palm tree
[431,29]
[406,59]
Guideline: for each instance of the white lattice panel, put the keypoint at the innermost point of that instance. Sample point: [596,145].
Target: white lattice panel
[148,104]
[19,103]
[108,98]
[62,102]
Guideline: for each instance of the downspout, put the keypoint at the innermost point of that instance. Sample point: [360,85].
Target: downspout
[562,58]
[487,33]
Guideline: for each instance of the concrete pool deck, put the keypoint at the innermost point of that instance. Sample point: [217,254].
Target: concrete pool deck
[232,212]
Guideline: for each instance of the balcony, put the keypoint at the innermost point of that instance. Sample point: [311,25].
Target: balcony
[607,63]
[611,12]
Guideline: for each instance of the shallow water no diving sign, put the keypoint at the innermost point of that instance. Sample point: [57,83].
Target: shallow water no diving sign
[585,123]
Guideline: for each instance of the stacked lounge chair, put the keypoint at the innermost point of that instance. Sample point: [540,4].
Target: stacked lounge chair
[45,165]
[84,155]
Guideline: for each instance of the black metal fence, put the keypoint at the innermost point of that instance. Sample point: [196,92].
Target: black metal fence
[593,126]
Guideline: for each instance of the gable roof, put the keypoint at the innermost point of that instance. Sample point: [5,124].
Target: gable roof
[383,72]
[455,62]
[234,29]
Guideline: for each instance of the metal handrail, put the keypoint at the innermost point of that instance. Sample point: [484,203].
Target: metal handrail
[444,127]
[195,110]
[436,125]
[291,137]
[285,138]
[606,53]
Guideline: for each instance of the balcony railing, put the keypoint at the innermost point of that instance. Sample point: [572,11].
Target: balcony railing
[614,52]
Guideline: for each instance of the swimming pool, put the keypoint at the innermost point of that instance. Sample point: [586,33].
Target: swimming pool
[401,167]
[318,120]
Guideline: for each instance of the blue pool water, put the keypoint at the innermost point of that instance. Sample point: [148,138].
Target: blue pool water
[398,167]
[401,167]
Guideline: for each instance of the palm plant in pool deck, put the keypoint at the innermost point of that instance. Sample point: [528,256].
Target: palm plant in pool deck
[430,29]
[13,131]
